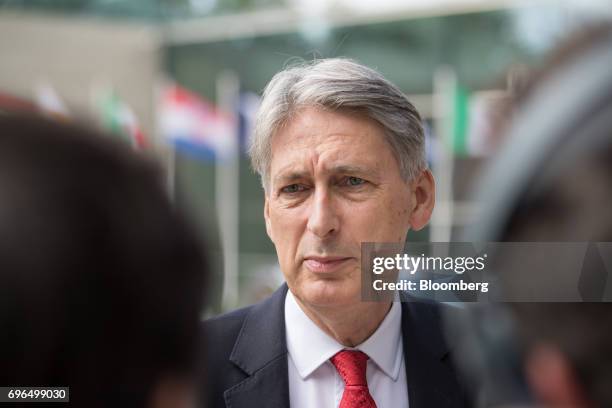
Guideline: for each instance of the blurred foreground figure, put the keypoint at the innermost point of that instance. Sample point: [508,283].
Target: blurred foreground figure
[101,280]
[560,192]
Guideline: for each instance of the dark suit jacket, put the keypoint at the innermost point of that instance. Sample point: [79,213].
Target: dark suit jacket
[246,358]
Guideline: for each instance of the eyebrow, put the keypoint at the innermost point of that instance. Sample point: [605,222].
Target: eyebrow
[289,177]
[343,168]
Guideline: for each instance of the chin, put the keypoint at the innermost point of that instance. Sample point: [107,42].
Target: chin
[329,293]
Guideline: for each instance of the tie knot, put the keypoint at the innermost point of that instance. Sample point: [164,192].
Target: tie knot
[351,365]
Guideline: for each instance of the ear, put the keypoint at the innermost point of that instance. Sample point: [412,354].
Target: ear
[552,378]
[423,192]
[267,218]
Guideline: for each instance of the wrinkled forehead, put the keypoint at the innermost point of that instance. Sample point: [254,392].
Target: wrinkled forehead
[324,142]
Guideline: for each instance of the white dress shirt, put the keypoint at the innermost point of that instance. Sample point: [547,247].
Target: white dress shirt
[314,381]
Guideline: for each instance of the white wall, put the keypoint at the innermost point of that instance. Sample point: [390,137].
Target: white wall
[75,54]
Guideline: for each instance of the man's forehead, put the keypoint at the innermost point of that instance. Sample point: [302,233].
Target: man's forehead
[314,126]
[299,170]
[328,142]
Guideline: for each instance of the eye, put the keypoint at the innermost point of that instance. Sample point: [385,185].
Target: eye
[354,181]
[292,189]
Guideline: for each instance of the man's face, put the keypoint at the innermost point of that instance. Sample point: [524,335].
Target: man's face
[334,183]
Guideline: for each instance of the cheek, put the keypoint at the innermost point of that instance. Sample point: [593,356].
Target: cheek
[286,227]
[399,210]
[387,220]
[284,222]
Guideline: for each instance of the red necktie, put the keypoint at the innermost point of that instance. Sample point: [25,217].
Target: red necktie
[351,366]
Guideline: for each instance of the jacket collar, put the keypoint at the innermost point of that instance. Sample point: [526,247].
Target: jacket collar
[432,382]
[261,352]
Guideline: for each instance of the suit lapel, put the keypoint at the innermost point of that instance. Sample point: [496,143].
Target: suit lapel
[431,379]
[261,352]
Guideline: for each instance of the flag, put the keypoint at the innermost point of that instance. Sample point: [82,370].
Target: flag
[118,117]
[195,126]
[12,104]
[49,103]
[473,117]
[247,110]
[461,104]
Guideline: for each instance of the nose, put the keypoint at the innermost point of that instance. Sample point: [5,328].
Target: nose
[323,219]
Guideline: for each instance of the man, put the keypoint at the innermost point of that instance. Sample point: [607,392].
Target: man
[340,152]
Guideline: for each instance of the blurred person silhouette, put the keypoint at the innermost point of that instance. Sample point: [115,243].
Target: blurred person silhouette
[558,353]
[101,279]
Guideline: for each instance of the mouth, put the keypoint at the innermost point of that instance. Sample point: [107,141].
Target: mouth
[325,264]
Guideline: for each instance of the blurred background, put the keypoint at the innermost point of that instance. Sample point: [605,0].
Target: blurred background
[181,79]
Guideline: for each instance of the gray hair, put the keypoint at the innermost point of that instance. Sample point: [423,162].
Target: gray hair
[339,84]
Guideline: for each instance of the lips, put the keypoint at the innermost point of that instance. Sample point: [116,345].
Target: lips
[325,264]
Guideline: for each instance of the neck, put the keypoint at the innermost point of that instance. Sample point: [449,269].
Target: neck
[349,325]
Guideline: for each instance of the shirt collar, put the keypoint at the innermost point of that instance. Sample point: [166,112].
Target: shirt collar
[384,346]
[309,347]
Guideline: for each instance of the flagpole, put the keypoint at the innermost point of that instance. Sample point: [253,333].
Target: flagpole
[171,173]
[445,82]
[169,151]
[227,174]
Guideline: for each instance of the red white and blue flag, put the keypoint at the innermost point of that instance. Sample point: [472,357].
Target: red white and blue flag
[195,126]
